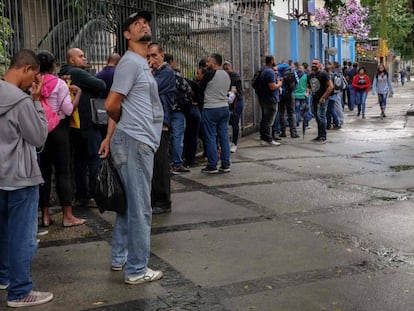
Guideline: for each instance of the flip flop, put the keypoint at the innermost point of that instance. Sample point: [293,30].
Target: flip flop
[78,222]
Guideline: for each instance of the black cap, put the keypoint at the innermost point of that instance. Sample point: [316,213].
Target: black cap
[133,17]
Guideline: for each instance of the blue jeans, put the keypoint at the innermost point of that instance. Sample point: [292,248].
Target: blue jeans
[177,137]
[299,108]
[192,131]
[361,97]
[131,236]
[215,124]
[382,100]
[235,120]
[351,100]
[319,111]
[331,116]
[18,242]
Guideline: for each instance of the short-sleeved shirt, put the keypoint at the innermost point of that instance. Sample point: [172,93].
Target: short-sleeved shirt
[142,113]
[268,76]
[317,84]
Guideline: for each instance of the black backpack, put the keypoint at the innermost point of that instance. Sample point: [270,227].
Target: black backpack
[289,79]
[256,80]
[183,95]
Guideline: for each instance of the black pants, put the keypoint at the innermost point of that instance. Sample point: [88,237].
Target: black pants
[268,106]
[56,153]
[161,179]
[287,105]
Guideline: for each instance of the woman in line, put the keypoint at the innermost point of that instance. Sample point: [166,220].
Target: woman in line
[56,149]
[382,85]
[361,84]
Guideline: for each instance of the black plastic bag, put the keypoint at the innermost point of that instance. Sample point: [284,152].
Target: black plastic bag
[109,190]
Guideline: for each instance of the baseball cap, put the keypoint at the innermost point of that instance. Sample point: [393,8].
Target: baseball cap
[133,17]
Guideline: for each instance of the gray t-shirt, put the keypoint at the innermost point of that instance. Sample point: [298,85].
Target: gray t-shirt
[215,95]
[142,112]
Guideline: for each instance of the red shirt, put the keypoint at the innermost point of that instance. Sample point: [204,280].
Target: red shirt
[361,83]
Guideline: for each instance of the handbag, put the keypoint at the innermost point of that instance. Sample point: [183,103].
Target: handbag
[99,114]
[109,192]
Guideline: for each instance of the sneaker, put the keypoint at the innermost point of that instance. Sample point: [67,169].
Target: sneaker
[118,268]
[269,143]
[149,276]
[384,115]
[42,231]
[316,138]
[209,170]
[33,299]
[282,135]
[4,286]
[294,136]
[363,116]
[321,140]
[224,169]
[233,148]
[179,170]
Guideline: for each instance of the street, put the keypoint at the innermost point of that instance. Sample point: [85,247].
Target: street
[299,227]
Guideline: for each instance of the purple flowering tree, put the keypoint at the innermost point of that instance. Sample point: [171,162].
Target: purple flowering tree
[350,19]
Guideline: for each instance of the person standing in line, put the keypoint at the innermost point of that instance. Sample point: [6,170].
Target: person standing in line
[56,151]
[350,74]
[268,94]
[180,110]
[236,107]
[107,74]
[86,140]
[361,84]
[382,85]
[23,127]
[161,179]
[321,86]
[287,100]
[214,87]
[134,133]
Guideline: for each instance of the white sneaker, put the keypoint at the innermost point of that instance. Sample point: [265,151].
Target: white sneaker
[149,276]
[4,286]
[233,148]
[269,143]
[32,299]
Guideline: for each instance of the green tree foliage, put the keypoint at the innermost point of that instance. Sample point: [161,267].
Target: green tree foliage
[5,33]
[394,22]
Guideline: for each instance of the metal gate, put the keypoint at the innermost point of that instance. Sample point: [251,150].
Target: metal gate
[189,30]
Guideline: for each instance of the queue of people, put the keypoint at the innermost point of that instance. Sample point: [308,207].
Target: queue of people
[156,116]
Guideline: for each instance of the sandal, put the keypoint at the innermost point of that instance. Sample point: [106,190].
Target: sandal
[77,222]
[46,223]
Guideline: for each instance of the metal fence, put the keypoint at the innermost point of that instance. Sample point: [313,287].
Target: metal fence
[189,30]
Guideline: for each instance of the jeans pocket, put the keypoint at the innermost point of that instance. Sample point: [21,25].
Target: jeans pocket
[119,148]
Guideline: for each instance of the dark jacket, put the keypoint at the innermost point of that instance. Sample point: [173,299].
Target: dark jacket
[166,89]
[91,87]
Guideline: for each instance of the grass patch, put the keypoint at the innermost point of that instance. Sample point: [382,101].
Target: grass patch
[401,167]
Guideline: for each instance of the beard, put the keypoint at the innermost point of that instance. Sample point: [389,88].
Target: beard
[145,38]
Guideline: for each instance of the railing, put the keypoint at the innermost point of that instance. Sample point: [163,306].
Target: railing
[189,30]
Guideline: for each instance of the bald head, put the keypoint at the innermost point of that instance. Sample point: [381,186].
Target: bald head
[113,59]
[76,58]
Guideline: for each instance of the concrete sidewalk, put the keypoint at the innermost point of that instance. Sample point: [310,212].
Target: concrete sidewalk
[296,227]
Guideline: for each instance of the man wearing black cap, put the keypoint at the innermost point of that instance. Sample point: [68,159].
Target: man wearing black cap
[135,108]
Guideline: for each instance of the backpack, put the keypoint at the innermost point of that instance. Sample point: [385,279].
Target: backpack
[289,79]
[51,115]
[183,94]
[256,80]
[339,82]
